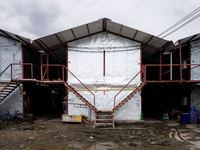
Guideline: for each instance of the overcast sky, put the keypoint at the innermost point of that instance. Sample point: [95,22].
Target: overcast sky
[37,18]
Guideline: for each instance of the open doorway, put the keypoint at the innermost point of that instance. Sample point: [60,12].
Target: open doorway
[44,100]
[158,99]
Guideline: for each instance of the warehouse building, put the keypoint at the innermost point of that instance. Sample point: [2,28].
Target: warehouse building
[103,70]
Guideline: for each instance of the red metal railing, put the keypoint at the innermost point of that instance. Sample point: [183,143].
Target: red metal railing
[63,77]
[11,66]
[141,71]
[171,69]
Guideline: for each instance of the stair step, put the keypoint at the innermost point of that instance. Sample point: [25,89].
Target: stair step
[9,87]
[4,91]
[104,119]
[103,124]
[104,115]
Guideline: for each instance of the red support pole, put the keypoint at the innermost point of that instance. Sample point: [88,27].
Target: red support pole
[31,71]
[104,62]
[41,73]
[160,75]
[180,61]
[47,62]
[67,63]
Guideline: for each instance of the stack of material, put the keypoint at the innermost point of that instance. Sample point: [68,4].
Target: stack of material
[194,115]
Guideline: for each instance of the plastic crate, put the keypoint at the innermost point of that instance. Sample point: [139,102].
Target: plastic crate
[185,118]
[194,115]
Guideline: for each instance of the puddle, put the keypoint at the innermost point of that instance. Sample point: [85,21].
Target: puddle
[97,146]
[61,146]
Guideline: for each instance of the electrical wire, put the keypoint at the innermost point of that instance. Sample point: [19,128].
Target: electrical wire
[181,21]
[178,28]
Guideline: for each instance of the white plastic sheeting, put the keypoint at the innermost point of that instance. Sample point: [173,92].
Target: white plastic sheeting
[10,52]
[122,63]
[195,59]
[195,97]
[14,102]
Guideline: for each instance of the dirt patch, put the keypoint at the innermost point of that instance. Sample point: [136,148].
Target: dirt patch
[55,135]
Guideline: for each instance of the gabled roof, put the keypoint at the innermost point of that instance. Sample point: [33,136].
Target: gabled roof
[60,39]
[16,37]
[187,40]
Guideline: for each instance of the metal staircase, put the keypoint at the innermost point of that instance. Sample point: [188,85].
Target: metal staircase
[8,89]
[129,97]
[80,96]
[104,118]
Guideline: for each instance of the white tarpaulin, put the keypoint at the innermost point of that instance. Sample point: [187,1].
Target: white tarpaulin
[10,52]
[195,97]
[195,59]
[14,102]
[122,63]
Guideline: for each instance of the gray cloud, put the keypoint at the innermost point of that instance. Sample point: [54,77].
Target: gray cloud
[33,19]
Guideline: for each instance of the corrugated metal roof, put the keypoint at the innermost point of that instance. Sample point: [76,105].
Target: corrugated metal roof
[15,37]
[102,25]
[187,40]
